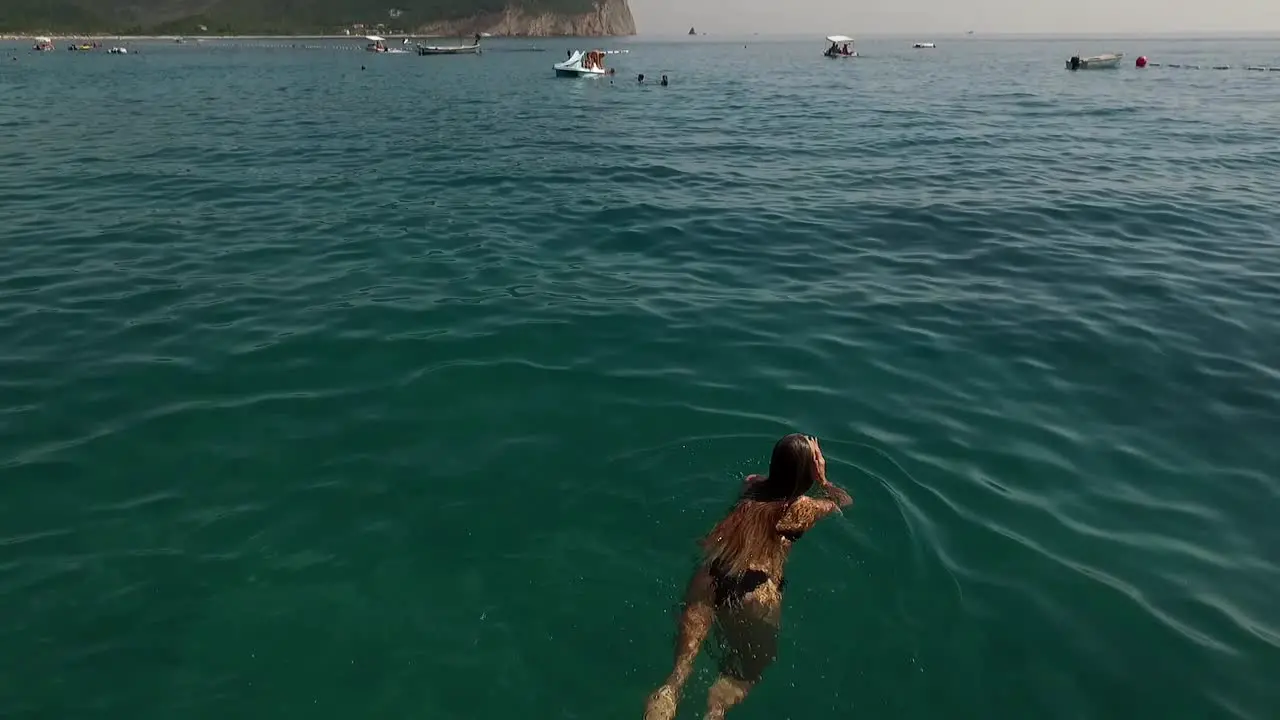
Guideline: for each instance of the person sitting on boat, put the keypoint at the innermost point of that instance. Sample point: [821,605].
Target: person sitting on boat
[833,50]
[844,50]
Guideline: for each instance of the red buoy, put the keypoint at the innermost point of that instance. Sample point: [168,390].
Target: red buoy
[1142,61]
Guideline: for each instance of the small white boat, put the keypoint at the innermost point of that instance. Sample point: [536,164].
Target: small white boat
[118,51]
[841,47]
[924,46]
[449,50]
[472,49]
[588,64]
[43,44]
[1105,61]
[376,44]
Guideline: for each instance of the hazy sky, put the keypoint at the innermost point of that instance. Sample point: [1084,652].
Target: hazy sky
[854,17]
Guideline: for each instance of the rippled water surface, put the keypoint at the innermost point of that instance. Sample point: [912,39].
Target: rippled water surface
[405,391]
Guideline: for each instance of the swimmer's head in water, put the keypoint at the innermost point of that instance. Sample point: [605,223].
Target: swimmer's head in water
[793,469]
[748,535]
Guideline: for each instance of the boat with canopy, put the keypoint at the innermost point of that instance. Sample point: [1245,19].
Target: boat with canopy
[841,47]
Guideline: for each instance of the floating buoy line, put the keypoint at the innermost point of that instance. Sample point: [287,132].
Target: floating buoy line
[1142,62]
[1181,66]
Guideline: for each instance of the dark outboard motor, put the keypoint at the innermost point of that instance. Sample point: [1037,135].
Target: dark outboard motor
[1075,62]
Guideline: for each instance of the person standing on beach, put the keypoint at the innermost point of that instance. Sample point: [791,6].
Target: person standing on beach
[737,588]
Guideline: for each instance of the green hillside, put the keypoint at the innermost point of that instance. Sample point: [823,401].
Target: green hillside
[284,17]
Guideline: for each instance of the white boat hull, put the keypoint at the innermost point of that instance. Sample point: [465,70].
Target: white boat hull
[573,67]
[1098,62]
[457,50]
[579,72]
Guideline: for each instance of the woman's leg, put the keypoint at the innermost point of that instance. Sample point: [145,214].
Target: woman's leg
[749,635]
[725,692]
[695,624]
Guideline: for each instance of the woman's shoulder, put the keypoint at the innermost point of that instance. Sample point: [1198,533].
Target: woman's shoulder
[801,515]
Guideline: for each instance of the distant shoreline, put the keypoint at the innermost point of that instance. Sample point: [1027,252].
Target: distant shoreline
[102,36]
[399,36]
[719,37]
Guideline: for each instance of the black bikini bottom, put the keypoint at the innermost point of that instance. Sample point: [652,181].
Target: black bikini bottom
[733,588]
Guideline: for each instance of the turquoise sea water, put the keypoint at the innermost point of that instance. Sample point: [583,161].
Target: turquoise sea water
[404,392]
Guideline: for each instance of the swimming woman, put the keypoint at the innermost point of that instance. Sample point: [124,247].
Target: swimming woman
[738,585]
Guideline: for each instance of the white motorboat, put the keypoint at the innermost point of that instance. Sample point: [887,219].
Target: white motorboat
[376,44]
[841,47]
[43,44]
[924,46]
[118,51]
[1105,61]
[588,64]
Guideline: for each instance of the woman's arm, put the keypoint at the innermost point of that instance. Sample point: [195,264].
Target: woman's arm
[815,509]
[835,494]
[807,511]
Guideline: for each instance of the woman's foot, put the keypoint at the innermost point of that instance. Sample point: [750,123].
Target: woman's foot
[725,692]
[662,704]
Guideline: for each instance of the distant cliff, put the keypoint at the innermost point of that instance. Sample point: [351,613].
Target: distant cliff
[607,17]
[306,17]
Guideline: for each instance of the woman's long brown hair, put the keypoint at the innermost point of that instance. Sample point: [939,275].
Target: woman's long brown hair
[750,531]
